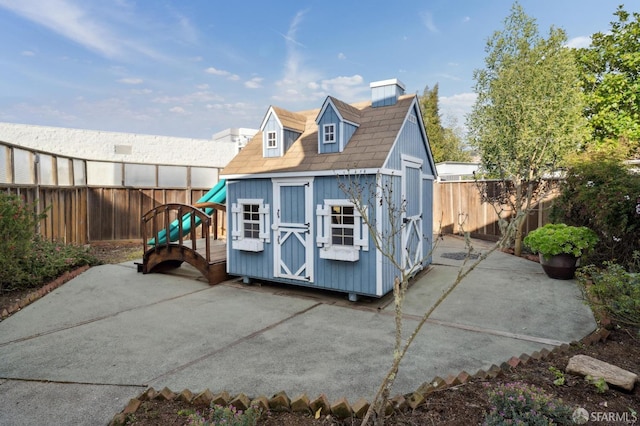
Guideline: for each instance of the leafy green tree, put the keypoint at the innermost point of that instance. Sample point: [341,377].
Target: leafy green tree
[610,74]
[446,144]
[527,116]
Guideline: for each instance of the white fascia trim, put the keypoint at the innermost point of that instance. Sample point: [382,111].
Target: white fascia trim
[379,232]
[266,118]
[428,177]
[411,159]
[389,82]
[424,134]
[337,173]
[326,104]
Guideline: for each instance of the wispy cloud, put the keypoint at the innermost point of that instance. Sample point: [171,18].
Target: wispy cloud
[579,42]
[254,83]
[342,56]
[427,21]
[130,80]
[455,108]
[28,53]
[222,73]
[189,99]
[466,19]
[76,22]
[293,86]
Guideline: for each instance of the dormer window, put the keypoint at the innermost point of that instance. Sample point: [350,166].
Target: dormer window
[272,142]
[329,133]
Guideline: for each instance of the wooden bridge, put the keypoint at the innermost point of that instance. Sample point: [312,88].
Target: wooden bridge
[195,239]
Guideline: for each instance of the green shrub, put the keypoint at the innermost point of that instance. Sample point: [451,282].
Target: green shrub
[613,289]
[527,405]
[17,227]
[27,260]
[219,415]
[559,238]
[601,193]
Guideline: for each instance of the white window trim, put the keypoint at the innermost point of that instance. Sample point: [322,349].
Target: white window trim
[238,241]
[333,133]
[323,236]
[275,139]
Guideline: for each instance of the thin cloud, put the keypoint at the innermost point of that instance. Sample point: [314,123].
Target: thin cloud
[342,56]
[293,86]
[130,81]
[427,21]
[27,53]
[178,110]
[68,20]
[222,73]
[458,106]
[254,83]
[579,42]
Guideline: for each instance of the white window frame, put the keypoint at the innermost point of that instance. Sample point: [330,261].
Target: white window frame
[328,250]
[238,239]
[326,132]
[271,139]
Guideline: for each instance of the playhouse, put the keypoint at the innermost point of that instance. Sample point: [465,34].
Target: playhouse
[290,219]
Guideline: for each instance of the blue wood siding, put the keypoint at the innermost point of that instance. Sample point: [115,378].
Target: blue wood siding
[289,138]
[329,117]
[293,198]
[385,95]
[389,271]
[245,263]
[427,221]
[349,130]
[272,126]
[352,277]
[410,142]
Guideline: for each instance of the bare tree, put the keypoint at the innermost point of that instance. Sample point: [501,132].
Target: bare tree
[385,239]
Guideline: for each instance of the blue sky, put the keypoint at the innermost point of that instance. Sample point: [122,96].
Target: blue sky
[192,68]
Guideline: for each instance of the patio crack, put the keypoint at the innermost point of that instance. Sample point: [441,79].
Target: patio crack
[234,343]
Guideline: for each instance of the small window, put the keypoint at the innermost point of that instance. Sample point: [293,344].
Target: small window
[251,219]
[272,142]
[342,224]
[329,133]
[250,225]
[341,232]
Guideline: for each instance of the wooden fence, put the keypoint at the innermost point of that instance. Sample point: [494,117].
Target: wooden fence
[89,201]
[457,208]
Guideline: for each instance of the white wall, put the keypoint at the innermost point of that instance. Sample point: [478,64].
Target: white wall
[111,146]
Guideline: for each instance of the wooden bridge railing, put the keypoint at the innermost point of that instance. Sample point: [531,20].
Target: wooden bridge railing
[175,238]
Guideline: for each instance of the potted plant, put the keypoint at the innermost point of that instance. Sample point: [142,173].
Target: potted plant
[560,246]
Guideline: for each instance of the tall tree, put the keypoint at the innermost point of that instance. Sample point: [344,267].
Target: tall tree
[527,116]
[446,144]
[610,74]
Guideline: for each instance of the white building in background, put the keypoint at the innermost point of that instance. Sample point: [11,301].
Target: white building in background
[456,170]
[238,135]
[128,147]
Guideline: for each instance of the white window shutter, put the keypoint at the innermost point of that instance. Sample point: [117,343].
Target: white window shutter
[236,212]
[265,223]
[361,230]
[323,214]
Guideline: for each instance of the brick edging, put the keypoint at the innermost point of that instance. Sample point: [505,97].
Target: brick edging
[341,408]
[37,294]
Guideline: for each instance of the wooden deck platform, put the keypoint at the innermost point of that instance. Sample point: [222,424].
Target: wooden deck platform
[195,240]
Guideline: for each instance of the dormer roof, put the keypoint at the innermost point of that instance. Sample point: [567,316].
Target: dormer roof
[347,112]
[369,146]
[289,120]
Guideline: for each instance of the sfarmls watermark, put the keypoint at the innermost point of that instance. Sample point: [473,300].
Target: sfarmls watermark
[581,416]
